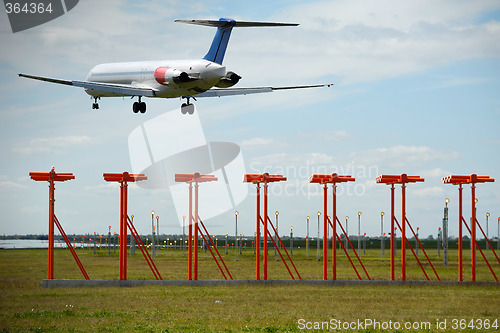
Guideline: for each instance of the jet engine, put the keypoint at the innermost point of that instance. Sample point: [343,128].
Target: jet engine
[168,76]
[228,80]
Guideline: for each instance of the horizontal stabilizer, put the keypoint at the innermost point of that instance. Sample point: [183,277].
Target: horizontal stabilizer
[224,27]
[242,24]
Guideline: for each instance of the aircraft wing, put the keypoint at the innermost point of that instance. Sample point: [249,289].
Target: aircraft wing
[257,90]
[120,89]
[46,79]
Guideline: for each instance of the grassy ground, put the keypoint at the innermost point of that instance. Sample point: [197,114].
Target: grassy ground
[25,306]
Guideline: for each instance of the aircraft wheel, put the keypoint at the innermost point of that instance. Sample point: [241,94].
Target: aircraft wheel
[183,108]
[187,108]
[135,107]
[142,107]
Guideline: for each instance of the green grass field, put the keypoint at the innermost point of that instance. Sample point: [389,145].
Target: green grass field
[27,307]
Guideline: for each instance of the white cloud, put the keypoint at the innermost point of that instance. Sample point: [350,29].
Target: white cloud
[104,187]
[335,15]
[371,183]
[302,165]
[52,144]
[454,82]
[6,186]
[429,192]
[401,156]
[328,135]
[34,210]
[362,41]
[436,173]
[293,160]
[262,142]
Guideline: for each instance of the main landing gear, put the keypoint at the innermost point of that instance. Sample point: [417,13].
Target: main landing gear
[139,106]
[187,107]
[95,105]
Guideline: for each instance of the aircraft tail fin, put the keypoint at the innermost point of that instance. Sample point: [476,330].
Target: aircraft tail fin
[224,27]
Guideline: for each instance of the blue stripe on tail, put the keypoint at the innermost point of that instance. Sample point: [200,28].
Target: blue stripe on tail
[221,39]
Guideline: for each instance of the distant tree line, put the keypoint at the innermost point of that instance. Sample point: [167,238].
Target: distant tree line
[298,242]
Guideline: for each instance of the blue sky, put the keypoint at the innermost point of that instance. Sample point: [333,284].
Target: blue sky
[416,91]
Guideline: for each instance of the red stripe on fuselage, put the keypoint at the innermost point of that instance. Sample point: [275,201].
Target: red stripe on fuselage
[159,74]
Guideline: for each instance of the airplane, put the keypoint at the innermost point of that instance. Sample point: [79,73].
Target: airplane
[186,79]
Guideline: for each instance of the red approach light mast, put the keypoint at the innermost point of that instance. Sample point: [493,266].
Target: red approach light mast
[325,180]
[402,179]
[257,179]
[195,178]
[473,180]
[123,178]
[51,177]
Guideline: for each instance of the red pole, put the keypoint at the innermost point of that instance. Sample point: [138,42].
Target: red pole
[403,232]
[325,239]
[460,263]
[392,232]
[257,236]
[334,233]
[196,230]
[265,231]
[125,236]
[122,208]
[473,232]
[51,226]
[190,240]
[123,231]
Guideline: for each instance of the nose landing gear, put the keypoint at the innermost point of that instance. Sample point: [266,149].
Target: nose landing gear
[95,105]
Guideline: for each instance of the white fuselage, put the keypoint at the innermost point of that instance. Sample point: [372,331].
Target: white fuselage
[203,75]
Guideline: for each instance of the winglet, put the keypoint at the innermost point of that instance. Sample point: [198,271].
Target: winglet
[224,27]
